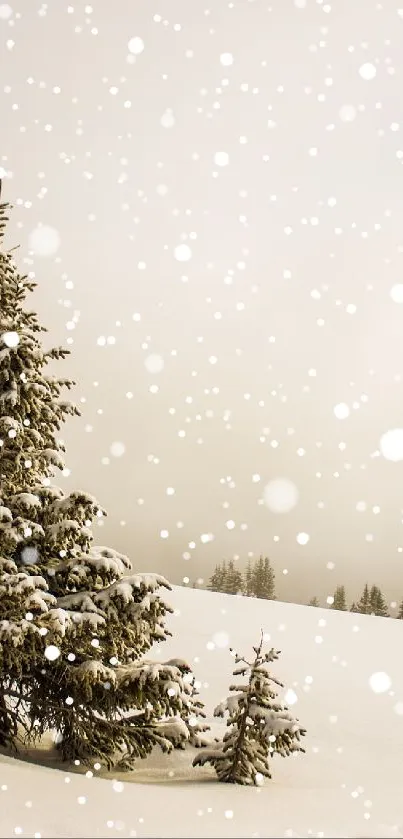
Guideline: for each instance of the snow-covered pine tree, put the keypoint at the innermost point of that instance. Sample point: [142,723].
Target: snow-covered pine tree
[192,712]
[74,619]
[26,615]
[399,615]
[259,726]
[314,602]
[339,600]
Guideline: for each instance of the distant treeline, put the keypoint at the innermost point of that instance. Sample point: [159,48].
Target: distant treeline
[371,602]
[258,580]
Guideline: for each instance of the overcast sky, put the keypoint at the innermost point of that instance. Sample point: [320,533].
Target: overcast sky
[221,198]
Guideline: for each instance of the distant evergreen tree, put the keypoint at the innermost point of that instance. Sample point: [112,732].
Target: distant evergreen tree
[257,577]
[262,580]
[258,725]
[314,602]
[364,604]
[233,583]
[353,607]
[217,579]
[373,597]
[382,606]
[249,580]
[339,602]
[378,603]
[269,580]
[400,612]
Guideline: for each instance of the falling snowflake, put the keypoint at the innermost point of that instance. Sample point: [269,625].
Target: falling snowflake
[380,682]
[10,339]
[5,11]
[221,158]
[182,253]
[29,555]
[396,293]
[290,697]
[367,71]
[136,46]
[391,445]
[154,363]
[52,652]
[167,119]
[341,411]
[117,449]
[44,241]
[347,113]
[280,495]
[221,639]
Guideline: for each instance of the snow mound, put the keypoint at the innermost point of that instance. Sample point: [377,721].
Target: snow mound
[335,790]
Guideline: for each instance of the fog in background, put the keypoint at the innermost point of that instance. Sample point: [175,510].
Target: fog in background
[220,188]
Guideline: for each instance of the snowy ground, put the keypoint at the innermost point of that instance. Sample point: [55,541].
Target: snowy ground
[348,784]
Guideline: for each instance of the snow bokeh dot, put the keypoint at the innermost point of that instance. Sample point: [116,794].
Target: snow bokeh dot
[396,293]
[290,697]
[341,411]
[52,652]
[10,339]
[391,445]
[5,11]
[221,639]
[44,240]
[367,71]
[280,495]
[117,449]
[168,119]
[380,682]
[226,59]
[221,158]
[303,538]
[136,45]
[29,555]
[154,363]
[347,113]
[183,253]
[118,786]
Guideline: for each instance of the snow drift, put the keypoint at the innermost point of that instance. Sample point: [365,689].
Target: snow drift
[344,681]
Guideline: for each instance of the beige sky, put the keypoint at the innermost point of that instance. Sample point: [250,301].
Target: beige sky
[283,309]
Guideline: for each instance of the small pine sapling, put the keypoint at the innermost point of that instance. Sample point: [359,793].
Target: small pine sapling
[259,726]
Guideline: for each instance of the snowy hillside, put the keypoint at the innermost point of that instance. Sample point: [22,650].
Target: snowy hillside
[344,675]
